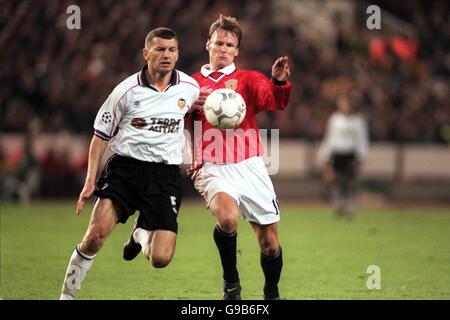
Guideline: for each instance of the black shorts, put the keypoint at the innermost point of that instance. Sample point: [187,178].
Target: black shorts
[154,189]
[344,164]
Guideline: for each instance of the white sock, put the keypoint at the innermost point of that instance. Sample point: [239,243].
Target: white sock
[79,266]
[141,236]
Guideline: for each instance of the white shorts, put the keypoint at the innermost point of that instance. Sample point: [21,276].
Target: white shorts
[247,182]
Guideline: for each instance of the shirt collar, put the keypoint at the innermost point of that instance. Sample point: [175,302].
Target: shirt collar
[206,71]
[143,81]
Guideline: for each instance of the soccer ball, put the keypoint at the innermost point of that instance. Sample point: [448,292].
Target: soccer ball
[224,109]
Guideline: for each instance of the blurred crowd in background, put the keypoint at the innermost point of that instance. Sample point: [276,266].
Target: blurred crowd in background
[58,78]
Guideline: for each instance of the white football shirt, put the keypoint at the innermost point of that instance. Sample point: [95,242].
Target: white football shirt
[144,123]
[345,134]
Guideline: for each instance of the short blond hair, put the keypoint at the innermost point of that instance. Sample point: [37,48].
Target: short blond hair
[228,24]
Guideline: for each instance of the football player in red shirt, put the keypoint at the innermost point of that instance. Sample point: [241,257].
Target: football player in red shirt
[233,179]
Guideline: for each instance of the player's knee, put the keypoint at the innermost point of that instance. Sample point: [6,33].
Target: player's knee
[226,211]
[227,219]
[228,224]
[270,251]
[269,248]
[160,261]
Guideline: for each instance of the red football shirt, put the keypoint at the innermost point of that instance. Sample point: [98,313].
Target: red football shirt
[234,145]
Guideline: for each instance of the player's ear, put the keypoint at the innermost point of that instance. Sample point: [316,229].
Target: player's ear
[207,45]
[237,52]
[145,53]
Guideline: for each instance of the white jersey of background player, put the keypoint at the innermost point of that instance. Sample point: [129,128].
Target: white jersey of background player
[346,132]
[343,149]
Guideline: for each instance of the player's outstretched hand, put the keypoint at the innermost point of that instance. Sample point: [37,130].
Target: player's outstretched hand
[87,191]
[198,105]
[280,69]
[192,172]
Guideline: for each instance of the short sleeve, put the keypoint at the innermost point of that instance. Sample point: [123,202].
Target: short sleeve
[110,114]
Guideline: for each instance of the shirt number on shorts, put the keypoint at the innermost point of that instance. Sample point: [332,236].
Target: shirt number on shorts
[275,204]
[173,200]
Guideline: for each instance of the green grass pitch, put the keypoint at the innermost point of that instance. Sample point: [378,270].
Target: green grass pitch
[324,258]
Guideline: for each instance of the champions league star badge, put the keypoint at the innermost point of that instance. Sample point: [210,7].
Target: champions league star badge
[181,103]
[106,117]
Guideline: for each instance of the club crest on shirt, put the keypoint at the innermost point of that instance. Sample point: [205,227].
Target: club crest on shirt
[231,84]
[181,103]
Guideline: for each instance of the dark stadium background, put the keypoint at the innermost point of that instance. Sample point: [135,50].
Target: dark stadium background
[53,80]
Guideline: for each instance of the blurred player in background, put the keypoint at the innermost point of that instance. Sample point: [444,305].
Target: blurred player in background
[233,180]
[343,150]
[143,118]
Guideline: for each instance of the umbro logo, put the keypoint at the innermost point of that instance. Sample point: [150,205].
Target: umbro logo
[137,103]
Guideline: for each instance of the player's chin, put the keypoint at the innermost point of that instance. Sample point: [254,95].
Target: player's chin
[222,63]
[166,68]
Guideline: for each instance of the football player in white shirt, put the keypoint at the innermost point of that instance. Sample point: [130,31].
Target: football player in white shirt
[142,120]
[343,149]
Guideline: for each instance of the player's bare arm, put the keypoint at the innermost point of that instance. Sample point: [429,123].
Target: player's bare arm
[192,171]
[96,151]
[280,69]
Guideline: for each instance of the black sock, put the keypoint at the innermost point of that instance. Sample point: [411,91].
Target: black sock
[272,270]
[226,243]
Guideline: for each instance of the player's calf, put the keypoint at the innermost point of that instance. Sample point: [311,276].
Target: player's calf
[92,243]
[272,266]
